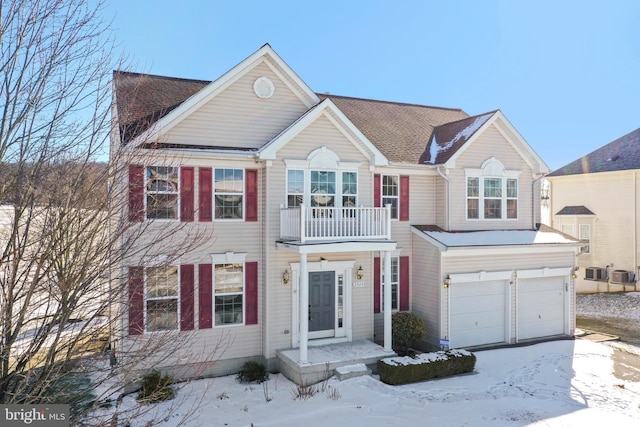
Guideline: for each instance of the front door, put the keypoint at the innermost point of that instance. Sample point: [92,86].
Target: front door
[322,304]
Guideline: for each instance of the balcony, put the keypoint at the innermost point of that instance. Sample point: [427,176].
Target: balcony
[313,224]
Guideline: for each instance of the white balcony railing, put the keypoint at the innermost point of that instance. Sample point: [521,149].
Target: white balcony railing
[335,224]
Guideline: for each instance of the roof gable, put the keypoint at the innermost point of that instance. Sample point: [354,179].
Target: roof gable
[621,154]
[342,123]
[200,92]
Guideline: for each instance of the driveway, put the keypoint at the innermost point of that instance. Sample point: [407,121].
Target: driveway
[615,314]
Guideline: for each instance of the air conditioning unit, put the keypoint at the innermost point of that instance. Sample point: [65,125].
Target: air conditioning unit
[594,273]
[619,276]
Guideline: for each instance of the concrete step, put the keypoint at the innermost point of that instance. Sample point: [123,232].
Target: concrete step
[351,371]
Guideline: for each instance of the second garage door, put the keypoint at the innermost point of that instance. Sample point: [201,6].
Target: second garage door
[477,313]
[541,307]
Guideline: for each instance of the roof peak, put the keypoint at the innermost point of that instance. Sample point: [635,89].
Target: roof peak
[382,101]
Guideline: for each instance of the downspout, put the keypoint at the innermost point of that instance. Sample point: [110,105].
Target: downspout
[266,250]
[448,207]
[635,232]
[539,206]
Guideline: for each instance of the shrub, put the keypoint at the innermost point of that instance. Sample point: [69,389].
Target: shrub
[252,372]
[403,370]
[407,328]
[156,388]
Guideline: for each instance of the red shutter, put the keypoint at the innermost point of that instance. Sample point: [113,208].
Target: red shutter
[251,194]
[377,284]
[205,296]
[186,297]
[404,283]
[205,195]
[136,300]
[136,193]
[404,198]
[186,194]
[251,292]
[376,191]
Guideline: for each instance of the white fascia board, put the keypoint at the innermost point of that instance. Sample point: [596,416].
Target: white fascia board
[469,251]
[269,151]
[337,247]
[214,88]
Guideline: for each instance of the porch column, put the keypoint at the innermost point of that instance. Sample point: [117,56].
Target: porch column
[387,301]
[304,309]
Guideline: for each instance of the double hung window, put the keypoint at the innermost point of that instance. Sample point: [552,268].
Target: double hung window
[162,192]
[395,281]
[320,189]
[161,298]
[229,293]
[492,198]
[229,193]
[390,193]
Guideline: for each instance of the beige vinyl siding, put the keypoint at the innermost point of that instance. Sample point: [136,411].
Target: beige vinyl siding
[236,117]
[613,198]
[426,289]
[490,144]
[441,203]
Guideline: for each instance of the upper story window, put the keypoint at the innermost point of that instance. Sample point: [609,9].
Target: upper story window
[492,192]
[229,193]
[161,298]
[162,192]
[585,236]
[322,181]
[390,193]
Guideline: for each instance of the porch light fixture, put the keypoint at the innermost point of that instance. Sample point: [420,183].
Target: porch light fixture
[359,273]
[574,273]
[447,281]
[285,277]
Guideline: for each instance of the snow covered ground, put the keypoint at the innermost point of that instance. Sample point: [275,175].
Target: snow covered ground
[621,305]
[560,383]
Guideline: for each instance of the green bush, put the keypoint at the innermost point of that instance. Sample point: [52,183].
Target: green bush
[407,328]
[252,372]
[156,388]
[403,370]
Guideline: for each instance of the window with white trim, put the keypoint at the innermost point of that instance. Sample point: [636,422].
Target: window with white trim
[161,298]
[585,236]
[319,189]
[162,192]
[228,193]
[492,192]
[295,187]
[391,193]
[395,282]
[323,188]
[228,279]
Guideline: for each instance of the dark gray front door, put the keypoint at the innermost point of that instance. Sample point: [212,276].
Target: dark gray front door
[322,303]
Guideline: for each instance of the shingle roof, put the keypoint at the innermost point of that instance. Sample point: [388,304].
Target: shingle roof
[400,131]
[575,210]
[143,99]
[621,154]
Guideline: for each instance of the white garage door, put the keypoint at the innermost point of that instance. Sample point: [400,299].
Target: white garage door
[541,307]
[477,313]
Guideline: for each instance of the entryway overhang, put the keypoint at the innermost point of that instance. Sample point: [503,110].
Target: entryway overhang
[335,247]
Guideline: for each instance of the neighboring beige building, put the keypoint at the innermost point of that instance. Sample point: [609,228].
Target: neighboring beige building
[330,213]
[597,199]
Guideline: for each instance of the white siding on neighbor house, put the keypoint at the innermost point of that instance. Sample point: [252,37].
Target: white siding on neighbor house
[490,144]
[426,289]
[236,117]
[615,238]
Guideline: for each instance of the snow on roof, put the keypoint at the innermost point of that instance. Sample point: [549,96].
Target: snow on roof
[463,134]
[500,237]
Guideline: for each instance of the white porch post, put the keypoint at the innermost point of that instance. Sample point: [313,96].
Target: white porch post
[387,301]
[304,309]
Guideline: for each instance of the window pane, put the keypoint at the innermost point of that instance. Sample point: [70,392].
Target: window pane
[349,201]
[512,208]
[393,201]
[349,183]
[472,208]
[390,185]
[228,206]
[229,181]
[228,309]
[492,209]
[162,192]
[512,188]
[229,278]
[162,315]
[162,206]
[493,187]
[295,182]
[473,187]
[162,281]
[294,200]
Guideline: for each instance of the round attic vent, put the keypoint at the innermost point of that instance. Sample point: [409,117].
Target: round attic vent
[263,87]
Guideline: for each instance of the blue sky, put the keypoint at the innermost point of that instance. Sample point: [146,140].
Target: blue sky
[565,73]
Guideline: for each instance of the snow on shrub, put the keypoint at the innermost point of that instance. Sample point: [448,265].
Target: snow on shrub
[403,370]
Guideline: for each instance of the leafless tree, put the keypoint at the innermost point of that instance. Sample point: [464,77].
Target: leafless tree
[62,233]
